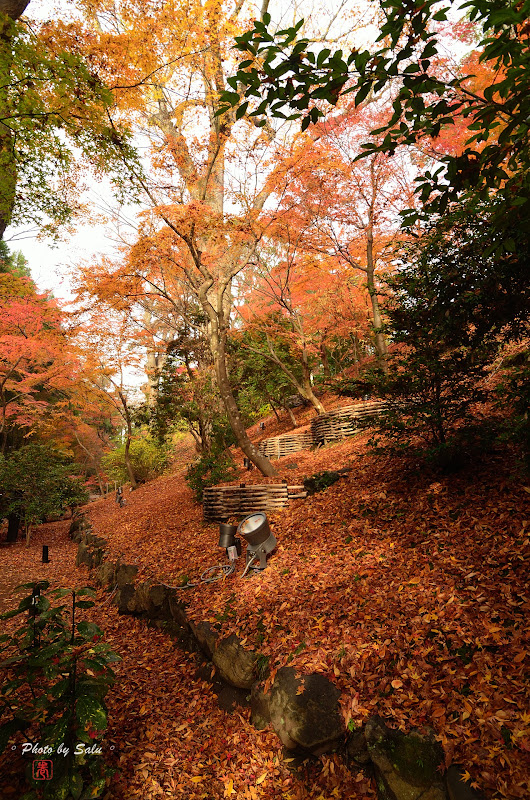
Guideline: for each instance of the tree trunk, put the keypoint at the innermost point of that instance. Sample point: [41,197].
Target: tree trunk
[379,338]
[304,389]
[291,415]
[128,464]
[13,8]
[127,457]
[13,525]
[273,409]
[8,165]
[307,391]
[206,442]
[225,390]
[325,360]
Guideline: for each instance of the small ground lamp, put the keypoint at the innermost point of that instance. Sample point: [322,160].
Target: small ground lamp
[260,541]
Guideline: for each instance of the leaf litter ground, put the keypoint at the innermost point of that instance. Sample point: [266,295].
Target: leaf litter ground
[408,591]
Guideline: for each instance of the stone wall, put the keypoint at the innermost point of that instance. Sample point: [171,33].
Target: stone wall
[303,711]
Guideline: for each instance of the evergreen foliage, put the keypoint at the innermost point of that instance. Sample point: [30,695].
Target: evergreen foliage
[36,482]
[58,673]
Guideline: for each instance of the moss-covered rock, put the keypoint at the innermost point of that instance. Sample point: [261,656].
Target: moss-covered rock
[305,711]
[407,766]
[260,715]
[236,665]
[125,573]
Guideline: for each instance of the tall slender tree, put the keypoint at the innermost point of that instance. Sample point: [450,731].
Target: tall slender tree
[210,176]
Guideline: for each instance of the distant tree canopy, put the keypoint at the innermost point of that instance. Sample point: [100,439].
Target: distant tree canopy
[290,79]
[53,116]
[13,263]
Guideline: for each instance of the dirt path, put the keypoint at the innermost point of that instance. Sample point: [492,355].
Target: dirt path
[20,563]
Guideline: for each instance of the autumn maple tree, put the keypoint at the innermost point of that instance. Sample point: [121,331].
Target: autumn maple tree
[333,232]
[39,372]
[298,306]
[36,364]
[109,357]
[206,215]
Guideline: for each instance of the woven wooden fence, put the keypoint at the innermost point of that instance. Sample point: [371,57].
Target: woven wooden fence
[343,422]
[222,502]
[280,446]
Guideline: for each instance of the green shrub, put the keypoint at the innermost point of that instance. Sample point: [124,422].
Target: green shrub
[57,675]
[211,469]
[36,482]
[514,393]
[321,480]
[148,459]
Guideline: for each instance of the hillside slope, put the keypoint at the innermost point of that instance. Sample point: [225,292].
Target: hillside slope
[409,592]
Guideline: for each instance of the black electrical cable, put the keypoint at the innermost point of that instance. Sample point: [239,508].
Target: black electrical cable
[224,570]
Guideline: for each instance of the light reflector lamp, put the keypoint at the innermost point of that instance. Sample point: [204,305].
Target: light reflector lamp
[257,533]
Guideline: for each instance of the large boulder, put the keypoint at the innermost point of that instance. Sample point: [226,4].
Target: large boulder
[457,787]
[304,711]
[357,750]
[84,556]
[106,574]
[79,524]
[96,541]
[142,602]
[160,597]
[125,573]
[205,636]
[260,714]
[407,766]
[125,598]
[235,664]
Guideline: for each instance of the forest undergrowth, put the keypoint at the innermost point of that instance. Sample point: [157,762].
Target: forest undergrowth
[407,589]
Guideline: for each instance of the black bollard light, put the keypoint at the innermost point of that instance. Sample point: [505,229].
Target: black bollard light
[35,596]
[45,559]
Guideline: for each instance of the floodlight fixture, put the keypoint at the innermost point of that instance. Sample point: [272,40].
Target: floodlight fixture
[260,541]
